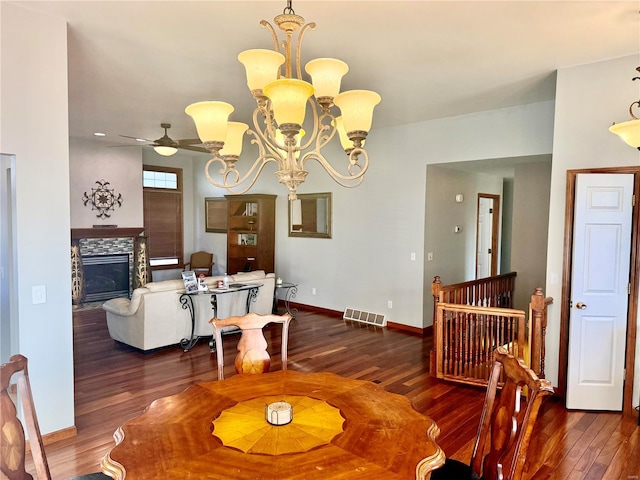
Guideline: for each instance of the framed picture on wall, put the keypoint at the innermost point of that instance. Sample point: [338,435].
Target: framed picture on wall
[215,214]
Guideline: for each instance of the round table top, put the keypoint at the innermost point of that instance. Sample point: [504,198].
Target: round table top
[383,437]
[286,285]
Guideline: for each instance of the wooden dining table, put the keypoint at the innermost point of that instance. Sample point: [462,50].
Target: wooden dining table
[341,428]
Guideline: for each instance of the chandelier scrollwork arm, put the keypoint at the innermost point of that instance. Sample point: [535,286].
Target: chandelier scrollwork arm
[268,26]
[355,168]
[279,128]
[308,26]
[257,167]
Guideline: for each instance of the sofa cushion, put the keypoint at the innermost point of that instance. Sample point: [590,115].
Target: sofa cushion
[165,285]
[248,276]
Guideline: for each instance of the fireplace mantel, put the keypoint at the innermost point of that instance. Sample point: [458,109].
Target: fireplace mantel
[106,232]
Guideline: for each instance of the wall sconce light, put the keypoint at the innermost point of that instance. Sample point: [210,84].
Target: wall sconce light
[629,131]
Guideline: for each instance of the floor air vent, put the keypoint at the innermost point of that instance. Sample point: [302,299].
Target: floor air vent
[376,319]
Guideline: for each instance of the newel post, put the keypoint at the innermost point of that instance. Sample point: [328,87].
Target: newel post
[538,328]
[436,288]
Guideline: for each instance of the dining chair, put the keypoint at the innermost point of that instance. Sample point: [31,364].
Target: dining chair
[506,423]
[12,437]
[252,347]
[200,262]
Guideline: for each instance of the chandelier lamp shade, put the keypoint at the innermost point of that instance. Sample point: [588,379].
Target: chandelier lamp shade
[629,131]
[283,101]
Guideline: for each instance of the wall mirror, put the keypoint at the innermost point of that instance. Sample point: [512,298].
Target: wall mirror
[310,215]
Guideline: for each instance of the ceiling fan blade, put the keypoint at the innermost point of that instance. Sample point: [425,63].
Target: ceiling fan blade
[190,141]
[136,138]
[130,145]
[194,149]
[193,144]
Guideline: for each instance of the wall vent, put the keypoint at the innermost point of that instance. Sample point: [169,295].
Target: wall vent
[377,319]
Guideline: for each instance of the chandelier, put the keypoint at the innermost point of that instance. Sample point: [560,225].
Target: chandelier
[629,131]
[282,101]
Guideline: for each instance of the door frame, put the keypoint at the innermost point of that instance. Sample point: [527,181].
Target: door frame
[495,231]
[634,277]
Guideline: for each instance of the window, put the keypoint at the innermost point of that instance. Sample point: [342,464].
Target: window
[163,220]
[155,179]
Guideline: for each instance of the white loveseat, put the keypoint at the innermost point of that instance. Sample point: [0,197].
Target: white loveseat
[154,316]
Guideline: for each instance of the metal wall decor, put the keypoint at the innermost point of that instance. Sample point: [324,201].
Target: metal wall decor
[103,199]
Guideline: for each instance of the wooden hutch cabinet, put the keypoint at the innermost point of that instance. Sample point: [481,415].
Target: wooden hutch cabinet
[251,233]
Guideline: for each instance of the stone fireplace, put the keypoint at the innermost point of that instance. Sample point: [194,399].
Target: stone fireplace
[102,261]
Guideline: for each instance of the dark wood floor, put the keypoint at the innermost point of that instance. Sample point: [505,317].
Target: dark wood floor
[115,383]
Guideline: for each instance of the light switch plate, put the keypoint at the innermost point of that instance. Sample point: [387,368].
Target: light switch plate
[38,294]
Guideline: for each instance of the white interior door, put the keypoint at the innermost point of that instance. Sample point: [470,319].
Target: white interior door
[599,291]
[483,243]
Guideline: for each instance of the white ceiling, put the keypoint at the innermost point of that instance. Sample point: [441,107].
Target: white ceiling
[134,64]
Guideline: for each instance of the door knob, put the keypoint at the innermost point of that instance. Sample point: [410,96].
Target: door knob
[581,306]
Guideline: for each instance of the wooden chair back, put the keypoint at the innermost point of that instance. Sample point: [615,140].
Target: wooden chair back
[12,438]
[252,347]
[201,262]
[507,418]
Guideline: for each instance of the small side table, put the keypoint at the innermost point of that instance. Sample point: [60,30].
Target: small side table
[290,290]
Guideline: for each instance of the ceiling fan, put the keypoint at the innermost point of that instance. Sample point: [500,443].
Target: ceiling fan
[166,146]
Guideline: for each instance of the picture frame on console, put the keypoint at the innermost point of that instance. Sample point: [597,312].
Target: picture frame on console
[190,281]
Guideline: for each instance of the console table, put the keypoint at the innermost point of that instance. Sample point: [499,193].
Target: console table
[186,300]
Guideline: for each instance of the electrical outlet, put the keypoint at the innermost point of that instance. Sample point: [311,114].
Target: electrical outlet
[38,294]
[313,291]
[389,304]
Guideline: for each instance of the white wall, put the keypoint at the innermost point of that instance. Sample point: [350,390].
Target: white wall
[507,226]
[35,129]
[450,253]
[588,99]
[530,220]
[92,161]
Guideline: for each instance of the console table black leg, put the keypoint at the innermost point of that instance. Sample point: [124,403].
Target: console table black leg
[187,304]
[251,297]
[214,307]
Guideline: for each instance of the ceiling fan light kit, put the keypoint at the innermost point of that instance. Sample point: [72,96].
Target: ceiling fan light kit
[166,146]
[282,103]
[629,131]
[165,151]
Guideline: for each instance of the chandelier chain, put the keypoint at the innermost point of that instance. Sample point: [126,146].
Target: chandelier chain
[288,9]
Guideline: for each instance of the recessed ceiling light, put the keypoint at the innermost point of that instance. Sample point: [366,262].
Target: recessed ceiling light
[100,134]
